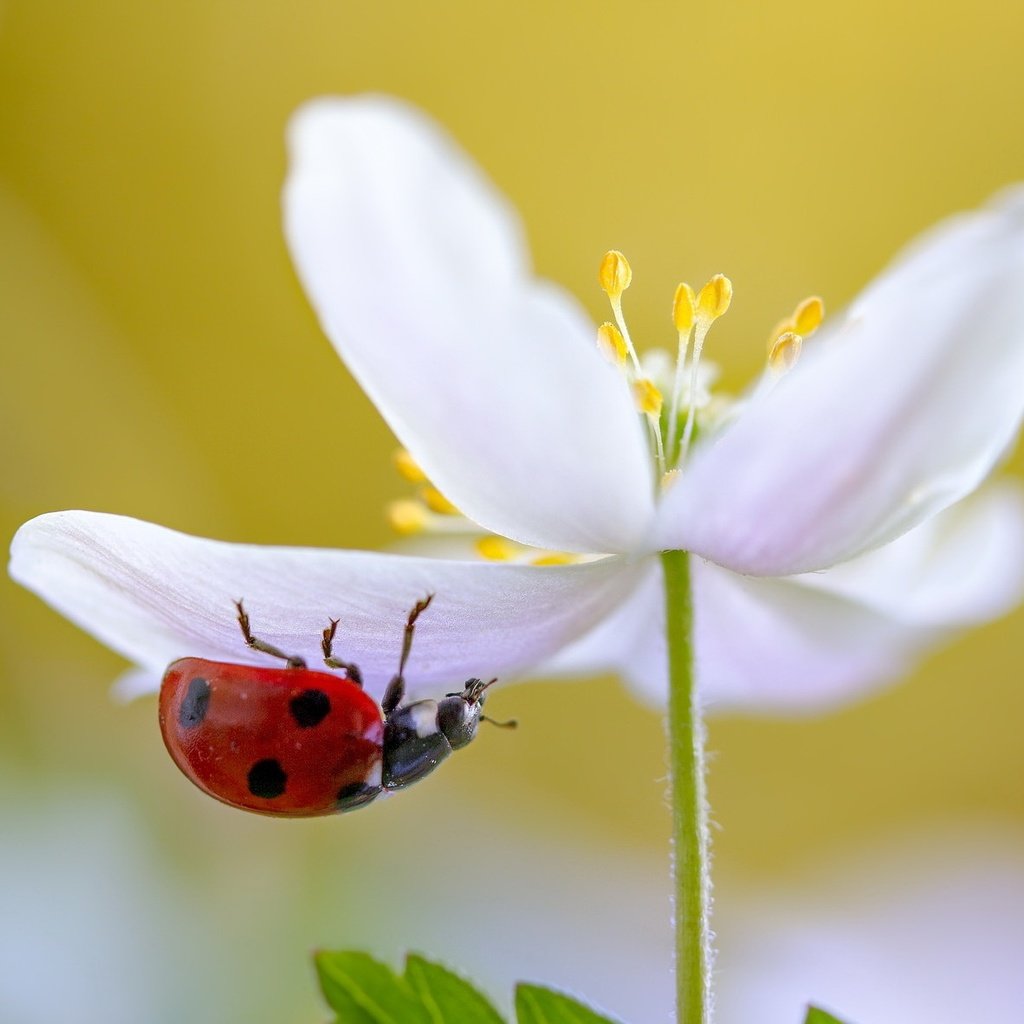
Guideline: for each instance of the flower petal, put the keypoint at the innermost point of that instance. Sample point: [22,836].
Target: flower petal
[155,595]
[963,566]
[760,644]
[777,645]
[629,641]
[492,380]
[901,410]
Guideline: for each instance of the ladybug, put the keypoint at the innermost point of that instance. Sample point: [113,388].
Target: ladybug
[293,742]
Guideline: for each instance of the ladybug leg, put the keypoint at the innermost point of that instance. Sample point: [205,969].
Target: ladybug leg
[351,671]
[294,661]
[396,688]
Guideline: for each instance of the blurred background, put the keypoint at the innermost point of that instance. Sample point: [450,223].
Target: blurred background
[159,360]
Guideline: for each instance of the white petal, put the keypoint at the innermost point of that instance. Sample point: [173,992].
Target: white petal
[135,682]
[777,645]
[155,595]
[899,411]
[489,377]
[963,566]
[761,645]
[630,641]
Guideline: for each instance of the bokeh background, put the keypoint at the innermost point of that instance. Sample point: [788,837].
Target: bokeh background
[159,359]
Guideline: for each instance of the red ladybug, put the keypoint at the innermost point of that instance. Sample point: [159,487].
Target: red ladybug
[296,743]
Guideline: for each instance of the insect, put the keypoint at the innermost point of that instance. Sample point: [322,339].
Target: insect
[294,742]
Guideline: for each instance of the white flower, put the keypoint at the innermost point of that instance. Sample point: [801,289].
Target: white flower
[820,513]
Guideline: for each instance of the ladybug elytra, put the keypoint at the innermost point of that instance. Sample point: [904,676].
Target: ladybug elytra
[294,742]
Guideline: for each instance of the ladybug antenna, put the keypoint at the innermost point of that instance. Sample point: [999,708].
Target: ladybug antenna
[510,724]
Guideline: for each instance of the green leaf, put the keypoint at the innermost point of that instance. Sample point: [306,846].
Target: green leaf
[536,1005]
[362,990]
[816,1016]
[448,998]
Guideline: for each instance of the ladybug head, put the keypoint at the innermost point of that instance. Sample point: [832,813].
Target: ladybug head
[459,714]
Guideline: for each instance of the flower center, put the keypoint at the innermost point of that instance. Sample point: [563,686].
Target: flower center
[692,409]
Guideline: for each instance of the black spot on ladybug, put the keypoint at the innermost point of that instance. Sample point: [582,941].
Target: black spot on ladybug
[355,795]
[310,708]
[194,706]
[267,779]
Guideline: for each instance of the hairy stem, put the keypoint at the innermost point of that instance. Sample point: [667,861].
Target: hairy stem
[689,805]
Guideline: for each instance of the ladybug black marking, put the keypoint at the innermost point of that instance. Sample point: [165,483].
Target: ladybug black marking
[267,779]
[310,708]
[195,703]
[294,742]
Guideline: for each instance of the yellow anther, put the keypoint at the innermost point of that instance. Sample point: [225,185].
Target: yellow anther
[407,516]
[647,396]
[408,467]
[496,549]
[612,344]
[615,273]
[785,352]
[554,558]
[684,308]
[437,502]
[781,328]
[808,316]
[714,298]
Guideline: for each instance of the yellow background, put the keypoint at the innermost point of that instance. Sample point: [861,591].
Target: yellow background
[159,359]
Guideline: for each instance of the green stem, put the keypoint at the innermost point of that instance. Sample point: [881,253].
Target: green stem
[689,806]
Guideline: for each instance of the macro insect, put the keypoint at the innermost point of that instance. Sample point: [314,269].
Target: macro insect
[294,742]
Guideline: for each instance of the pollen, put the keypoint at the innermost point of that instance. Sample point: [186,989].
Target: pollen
[615,273]
[496,549]
[804,320]
[408,467]
[808,315]
[437,502]
[785,352]
[684,308]
[555,558]
[647,396]
[408,517]
[714,298]
[612,344]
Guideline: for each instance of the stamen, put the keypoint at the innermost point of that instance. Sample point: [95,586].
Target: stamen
[647,397]
[501,549]
[612,344]
[437,502]
[805,320]
[615,274]
[714,298]
[555,558]
[684,312]
[684,308]
[407,517]
[408,467]
[712,302]
[808,315]
[496,549]
[785,352]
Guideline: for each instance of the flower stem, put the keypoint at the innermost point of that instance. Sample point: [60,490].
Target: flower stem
[689,805]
